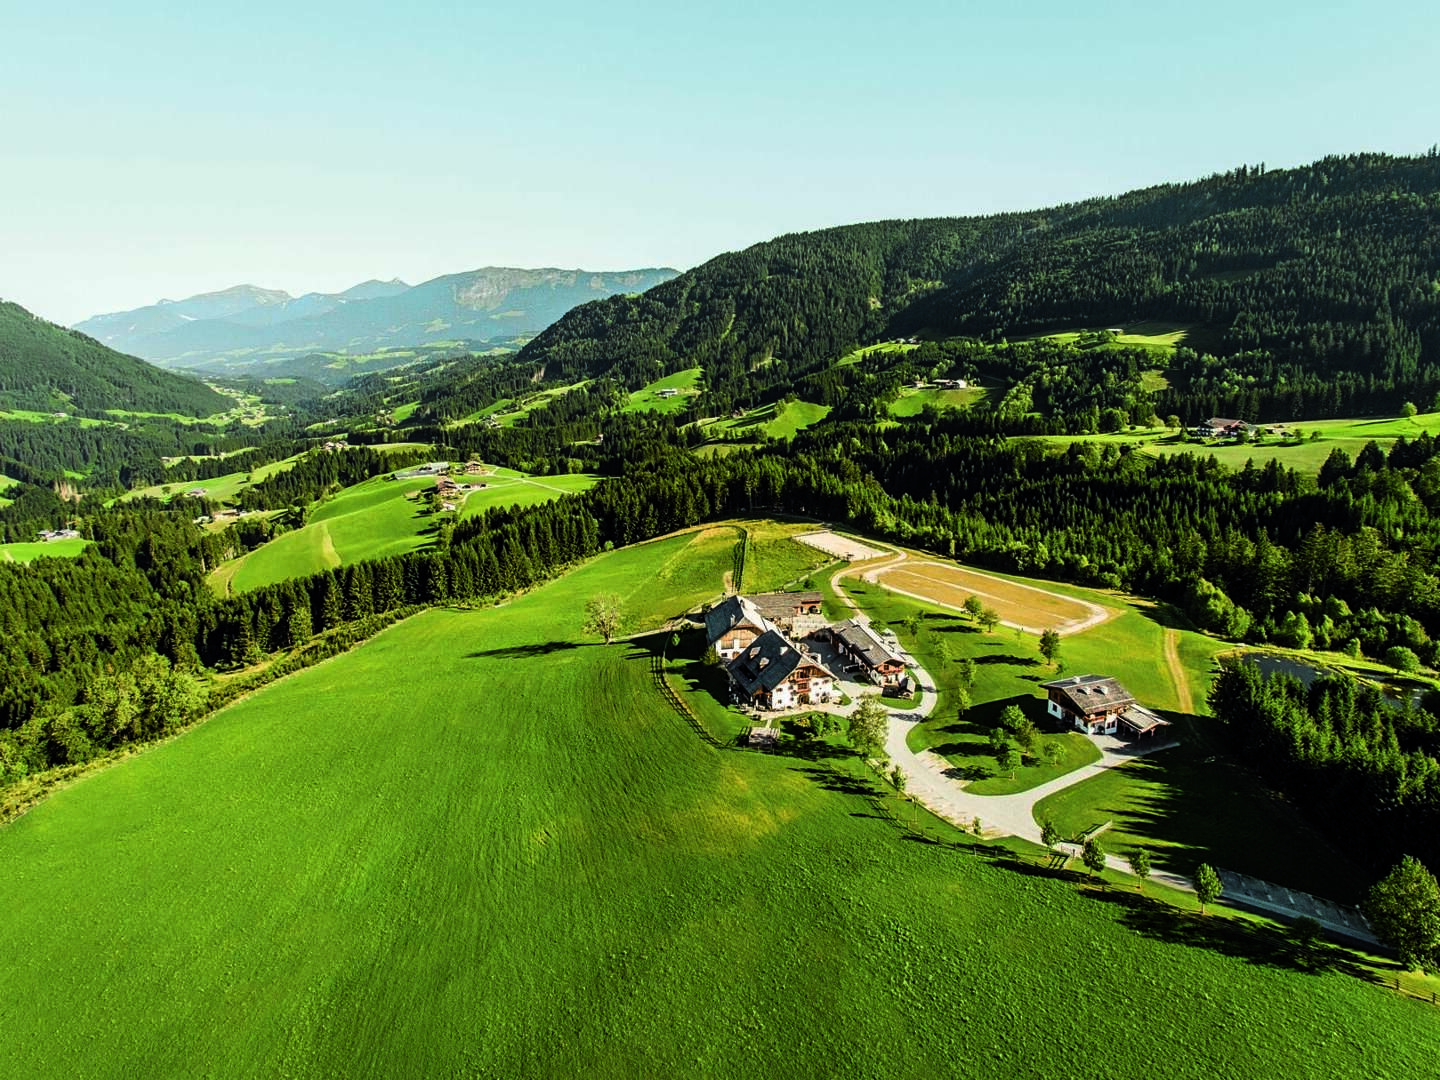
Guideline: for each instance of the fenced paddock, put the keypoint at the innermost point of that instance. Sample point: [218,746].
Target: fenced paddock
[842,547]
[1025,606]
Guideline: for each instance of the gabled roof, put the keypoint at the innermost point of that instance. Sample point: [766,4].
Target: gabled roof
[767,662]
[861,639]
[1087,694]
[782,605]
[731,612]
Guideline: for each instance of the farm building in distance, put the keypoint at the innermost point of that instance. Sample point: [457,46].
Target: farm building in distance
[1222,427]
[433,468]
[1099,705]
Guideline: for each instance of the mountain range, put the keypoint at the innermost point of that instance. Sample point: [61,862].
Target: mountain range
[253,330]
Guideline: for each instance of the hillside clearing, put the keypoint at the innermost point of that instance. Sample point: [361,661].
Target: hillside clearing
[357,871]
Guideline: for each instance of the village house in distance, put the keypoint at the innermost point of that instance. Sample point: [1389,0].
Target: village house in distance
[762,642]
[1099,705]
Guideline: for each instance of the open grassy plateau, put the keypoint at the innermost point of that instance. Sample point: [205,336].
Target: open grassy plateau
[484,845]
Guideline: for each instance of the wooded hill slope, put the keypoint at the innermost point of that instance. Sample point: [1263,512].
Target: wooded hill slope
[1324,277]
[50,369]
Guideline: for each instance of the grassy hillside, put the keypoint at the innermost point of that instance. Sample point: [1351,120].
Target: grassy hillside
[51,549]
[648,399]
[48,368]
[1280,272]
[521,863]
[1305,455]
[374,520]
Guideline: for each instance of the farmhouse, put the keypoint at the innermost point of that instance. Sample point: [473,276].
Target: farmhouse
[1099,705]
[433,468]
[773,673]
[46,535]
[733,624]
[1218,426]
[667,393]
[861,646]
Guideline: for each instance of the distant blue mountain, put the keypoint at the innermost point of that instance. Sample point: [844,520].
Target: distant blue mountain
[246,326]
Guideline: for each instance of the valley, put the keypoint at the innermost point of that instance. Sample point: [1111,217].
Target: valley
[386,702]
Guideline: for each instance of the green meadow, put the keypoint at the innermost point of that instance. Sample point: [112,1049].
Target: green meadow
[911,401]
[648,399]
[376,519]
[510,411]
[27,551]
[779,421]
[220,488]
[1305,455]
[483,844]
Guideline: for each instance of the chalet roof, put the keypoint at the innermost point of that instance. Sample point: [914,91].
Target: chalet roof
[731,612]
[783,605]
[767,662]
[1222,422]
[1090,694]
[859,638]
[1141,720]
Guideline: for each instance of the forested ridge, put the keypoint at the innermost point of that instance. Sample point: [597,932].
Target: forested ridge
[47,368]
[1318,283]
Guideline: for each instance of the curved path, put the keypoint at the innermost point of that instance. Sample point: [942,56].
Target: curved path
[1183,698]
[928,776]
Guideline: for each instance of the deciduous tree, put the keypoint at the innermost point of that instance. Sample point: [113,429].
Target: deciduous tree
[603,616]
[868,726]
[1093,856]
[1404,910]
[1207,885]
[1140,867]
[1050,646]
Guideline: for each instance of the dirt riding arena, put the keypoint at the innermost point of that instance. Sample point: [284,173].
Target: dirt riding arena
[842,547]
[1025,606]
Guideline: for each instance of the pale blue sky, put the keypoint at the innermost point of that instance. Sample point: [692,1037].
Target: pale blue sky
[310,146]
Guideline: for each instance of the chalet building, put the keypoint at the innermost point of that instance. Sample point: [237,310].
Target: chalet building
[732,624]
[773,673]
[798,614]
[858,645]
[1099,705]
[1220,426]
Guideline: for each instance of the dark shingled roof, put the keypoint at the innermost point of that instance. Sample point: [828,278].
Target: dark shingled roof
[861,639]
[766,663]
[1088,694]
[730,613]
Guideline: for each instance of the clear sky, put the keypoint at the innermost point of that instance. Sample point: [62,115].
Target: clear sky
[307,146]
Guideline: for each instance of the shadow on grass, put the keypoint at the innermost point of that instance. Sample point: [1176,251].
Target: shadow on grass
[1288,948]
[521,652]
[1250,941]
